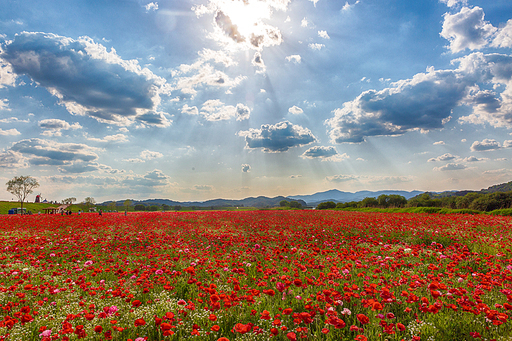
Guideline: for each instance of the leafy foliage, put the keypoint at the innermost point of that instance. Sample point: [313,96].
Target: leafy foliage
[21,187]
[326,205]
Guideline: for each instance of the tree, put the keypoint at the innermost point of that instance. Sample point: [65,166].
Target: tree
[140,207]
[295,204]
[369,202]
[284,203]
[326,205]
[126,204]
[111,206]
[351,204]
[422,200]
[395,200]
[69,201]
[465,201]
[89,201]
[21,187]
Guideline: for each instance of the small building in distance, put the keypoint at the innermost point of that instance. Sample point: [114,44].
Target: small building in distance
[56,210]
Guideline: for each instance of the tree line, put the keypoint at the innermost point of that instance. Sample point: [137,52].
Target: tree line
[484,202]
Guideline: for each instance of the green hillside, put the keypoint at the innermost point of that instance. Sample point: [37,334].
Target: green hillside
[506,187]
[5,206]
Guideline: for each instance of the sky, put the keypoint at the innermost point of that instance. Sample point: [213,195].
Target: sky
[193,100]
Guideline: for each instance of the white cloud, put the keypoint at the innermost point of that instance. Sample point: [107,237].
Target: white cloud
[150,155]
[189,110]
[316,46]
[431,96]
[341,178]
[145,155]
[277,138]
[243,25]
[258,61]
[324,154]
[153,119]
[152,6]
[12,160]
[450,167]
[134,160]
[9,132]
[13,119]
[504,36]
[215,110]
[502,171]
[154,178]
[7,75]
[221,57]
[453,3]
[295,110]
[95,82]
[202,74]
[323,34]
[348,6]
[4,104]
[439,143]
[467,29]
[294,58]
[473,159]
[246,168]
[110,138]
[122,183]
[54,127]
[68,157]
[485,145]
[371,180]
[242,112]
[444,157]
[304,22]
[203,188]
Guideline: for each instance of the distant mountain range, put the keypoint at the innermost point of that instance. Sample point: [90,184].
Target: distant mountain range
[259,202]
[310,200]
[505,187]
[340,196]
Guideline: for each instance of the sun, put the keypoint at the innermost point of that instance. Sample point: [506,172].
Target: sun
[244,24]
[247,15]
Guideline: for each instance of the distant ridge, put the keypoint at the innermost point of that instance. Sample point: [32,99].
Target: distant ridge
[259,202]
[312,199]
[504,187]
[340,196]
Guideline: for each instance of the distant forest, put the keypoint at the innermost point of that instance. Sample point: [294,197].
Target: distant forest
[493,198]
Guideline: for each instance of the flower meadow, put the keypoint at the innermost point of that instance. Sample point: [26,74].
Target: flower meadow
[256,275]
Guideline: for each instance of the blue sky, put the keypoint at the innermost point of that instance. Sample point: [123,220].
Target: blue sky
[203,99]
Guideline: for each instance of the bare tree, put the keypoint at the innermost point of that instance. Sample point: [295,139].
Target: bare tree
[89,201]
[21,187]
[69,201]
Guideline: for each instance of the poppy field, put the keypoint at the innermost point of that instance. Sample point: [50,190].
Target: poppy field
[256,275]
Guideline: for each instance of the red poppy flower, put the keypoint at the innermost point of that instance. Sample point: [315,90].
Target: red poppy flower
[363,318]
[139,322]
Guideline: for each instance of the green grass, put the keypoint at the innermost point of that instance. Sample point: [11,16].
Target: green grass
[5,206]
